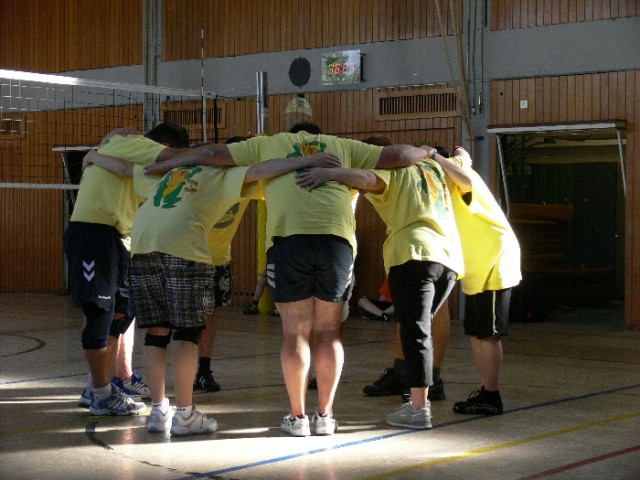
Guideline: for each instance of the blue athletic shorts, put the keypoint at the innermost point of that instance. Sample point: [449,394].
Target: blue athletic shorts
[304,266]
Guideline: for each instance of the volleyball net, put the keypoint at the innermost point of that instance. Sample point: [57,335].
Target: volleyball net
[48,122]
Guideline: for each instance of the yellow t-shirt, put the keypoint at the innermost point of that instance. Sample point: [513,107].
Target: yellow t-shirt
[292,210]
[223,231]
[416,207]
[491,250]
[178,218]
[109,199]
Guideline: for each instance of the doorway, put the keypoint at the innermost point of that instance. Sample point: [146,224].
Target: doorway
[564,189]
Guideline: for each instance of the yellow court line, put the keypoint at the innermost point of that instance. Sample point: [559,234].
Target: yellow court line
[492,448]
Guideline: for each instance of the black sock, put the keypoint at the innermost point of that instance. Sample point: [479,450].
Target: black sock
[490,394]
[204,365]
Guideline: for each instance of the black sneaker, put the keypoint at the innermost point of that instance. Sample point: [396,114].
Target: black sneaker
[251,309]
[436,392]
[205,382]
[478,403]
[389,383]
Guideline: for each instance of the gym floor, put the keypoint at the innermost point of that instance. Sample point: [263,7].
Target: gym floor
[570,385]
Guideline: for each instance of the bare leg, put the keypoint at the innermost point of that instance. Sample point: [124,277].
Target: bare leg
[488,355]
[156,366]
[367,305]
[208,338]
[328,355]
[440,332]
[99,361]
[184,363]
[295,353]
[419,397]
[124,355]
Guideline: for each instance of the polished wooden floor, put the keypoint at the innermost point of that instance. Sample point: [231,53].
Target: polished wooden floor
[571,388]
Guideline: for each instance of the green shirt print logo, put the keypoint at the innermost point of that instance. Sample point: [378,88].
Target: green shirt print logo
[169,189]
[431,183]
[307,149]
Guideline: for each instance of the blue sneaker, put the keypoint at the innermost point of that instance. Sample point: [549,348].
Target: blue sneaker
[86,398]
[134,387]
[118,403]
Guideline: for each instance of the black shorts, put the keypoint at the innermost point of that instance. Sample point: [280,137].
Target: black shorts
[98,265]
[487,313]
[304,266]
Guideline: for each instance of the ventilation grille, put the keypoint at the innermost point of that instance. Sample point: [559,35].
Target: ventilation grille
[410,104]
[194,116]
[11,128]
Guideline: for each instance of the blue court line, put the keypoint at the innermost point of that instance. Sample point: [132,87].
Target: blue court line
[402,432]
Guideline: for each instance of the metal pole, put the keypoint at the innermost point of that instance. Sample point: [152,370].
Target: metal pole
[503,175]
[624,176]
[262,108]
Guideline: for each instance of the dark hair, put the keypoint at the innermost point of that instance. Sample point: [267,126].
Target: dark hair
[235,139]
[379,140]
[175,136]
[441,151]
[308,127]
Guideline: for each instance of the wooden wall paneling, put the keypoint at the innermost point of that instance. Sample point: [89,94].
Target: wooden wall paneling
[588,10]
[604,95]
[612,82]
[597,9]
[511,9]
[563,11]
[554,94]
[594,100]
[571,94]
[555,12]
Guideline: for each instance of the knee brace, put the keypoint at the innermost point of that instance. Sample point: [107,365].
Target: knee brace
[188,335]
[97,326]
[160,341]
[120,326]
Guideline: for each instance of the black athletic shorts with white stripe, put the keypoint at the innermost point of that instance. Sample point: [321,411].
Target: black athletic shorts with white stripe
[304,266]
[487,313]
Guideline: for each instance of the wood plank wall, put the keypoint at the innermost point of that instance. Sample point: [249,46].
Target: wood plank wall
[507,14]
[63,35]
[280,25]
[585,98]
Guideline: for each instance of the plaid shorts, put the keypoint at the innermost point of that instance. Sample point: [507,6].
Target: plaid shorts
[167,290]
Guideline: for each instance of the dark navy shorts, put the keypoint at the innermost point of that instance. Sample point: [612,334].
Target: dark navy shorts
[487,313]
[98,265]
[304,266]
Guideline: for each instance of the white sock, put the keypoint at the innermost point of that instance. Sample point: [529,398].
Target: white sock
[103,392]
[185,412]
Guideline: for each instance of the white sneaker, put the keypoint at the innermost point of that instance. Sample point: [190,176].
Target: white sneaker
[297,427]
[160,417]
[408,417]
[195,423]
[324,425]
